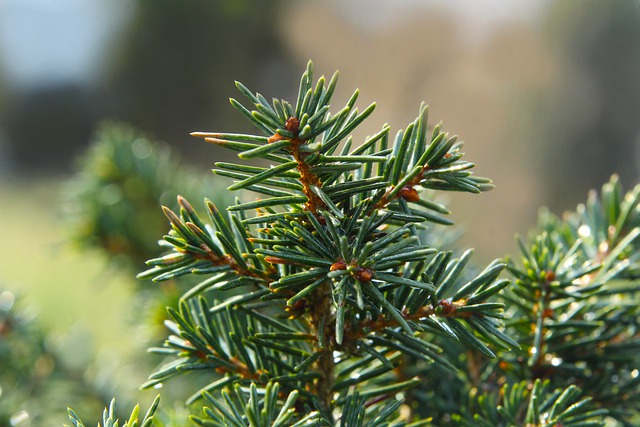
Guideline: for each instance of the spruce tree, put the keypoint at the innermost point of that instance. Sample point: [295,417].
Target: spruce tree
[324,300]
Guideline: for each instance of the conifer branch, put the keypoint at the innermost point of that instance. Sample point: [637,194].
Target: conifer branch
[325,302]
[333,247]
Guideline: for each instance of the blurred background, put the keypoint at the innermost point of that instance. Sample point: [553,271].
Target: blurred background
[545,94]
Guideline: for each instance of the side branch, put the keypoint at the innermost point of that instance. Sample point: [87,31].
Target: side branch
[445,308]
[407,192]
[227,260]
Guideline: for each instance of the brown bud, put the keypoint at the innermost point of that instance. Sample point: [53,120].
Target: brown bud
[364,275]
[548,313]
[409,194]
[292,125]
[338,265]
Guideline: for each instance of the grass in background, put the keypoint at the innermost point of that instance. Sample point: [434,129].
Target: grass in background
[80,300]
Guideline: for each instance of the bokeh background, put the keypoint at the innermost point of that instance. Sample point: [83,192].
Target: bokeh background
[545,94]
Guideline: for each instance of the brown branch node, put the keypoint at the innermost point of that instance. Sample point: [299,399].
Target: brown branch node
[361,274]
